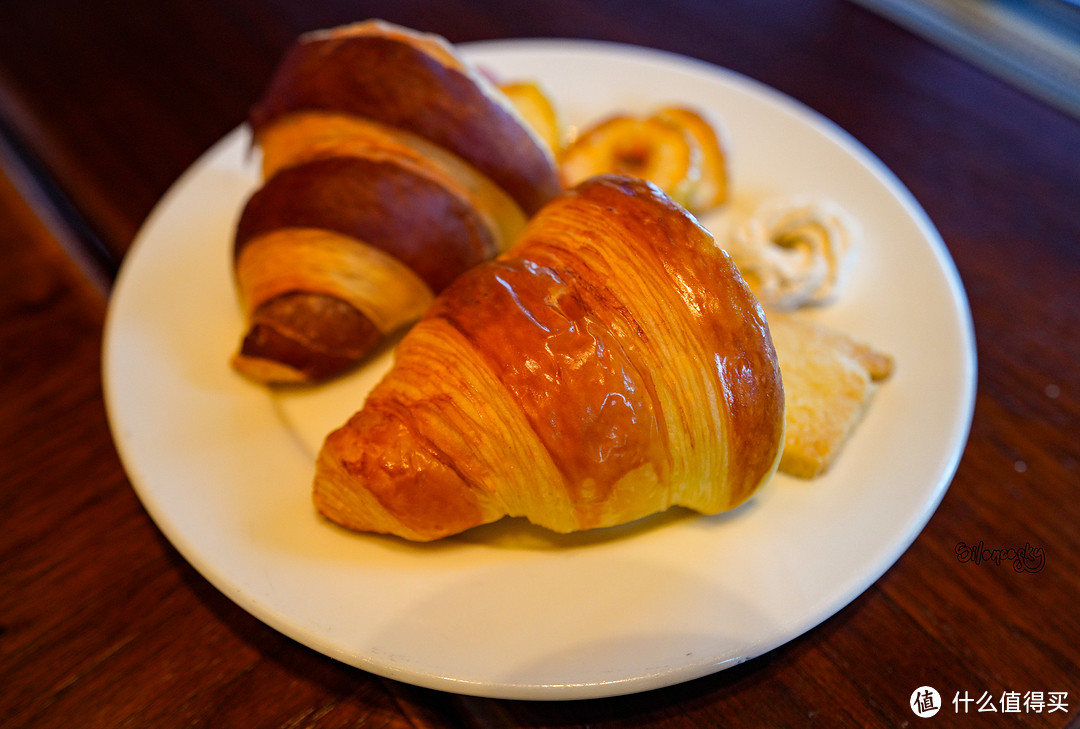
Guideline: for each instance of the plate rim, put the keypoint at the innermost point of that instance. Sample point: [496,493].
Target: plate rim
[960,430]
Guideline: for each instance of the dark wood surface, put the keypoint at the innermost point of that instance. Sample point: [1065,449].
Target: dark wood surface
[103,624]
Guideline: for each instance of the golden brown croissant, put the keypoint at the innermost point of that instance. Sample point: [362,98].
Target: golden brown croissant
[389,168]
[611,365]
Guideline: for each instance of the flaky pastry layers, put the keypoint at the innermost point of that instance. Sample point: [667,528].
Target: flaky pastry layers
[389,167]
[611,365]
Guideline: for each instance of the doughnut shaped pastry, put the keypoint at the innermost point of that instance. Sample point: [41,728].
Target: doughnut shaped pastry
[612,364]
[681,149]
[651,148]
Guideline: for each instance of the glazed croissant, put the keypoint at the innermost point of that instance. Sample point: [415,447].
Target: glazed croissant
[389,167]
[612,364]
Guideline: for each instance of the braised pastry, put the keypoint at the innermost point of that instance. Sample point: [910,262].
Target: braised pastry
[611,365]
[390,167]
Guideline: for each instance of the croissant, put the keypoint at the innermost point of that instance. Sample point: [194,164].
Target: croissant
[610,365]
[389,167]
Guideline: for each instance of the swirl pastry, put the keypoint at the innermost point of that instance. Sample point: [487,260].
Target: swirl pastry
[794,251]
[612,364]
[681,149]
[390,167]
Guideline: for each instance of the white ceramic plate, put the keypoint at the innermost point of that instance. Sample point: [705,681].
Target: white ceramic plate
[508,610]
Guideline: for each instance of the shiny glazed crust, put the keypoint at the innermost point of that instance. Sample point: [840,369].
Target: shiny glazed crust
[380,202]
[611,365]
[386,216]
[372,134]
[414,82]
[308,136]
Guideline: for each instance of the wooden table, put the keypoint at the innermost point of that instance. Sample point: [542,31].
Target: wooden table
[103,624]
